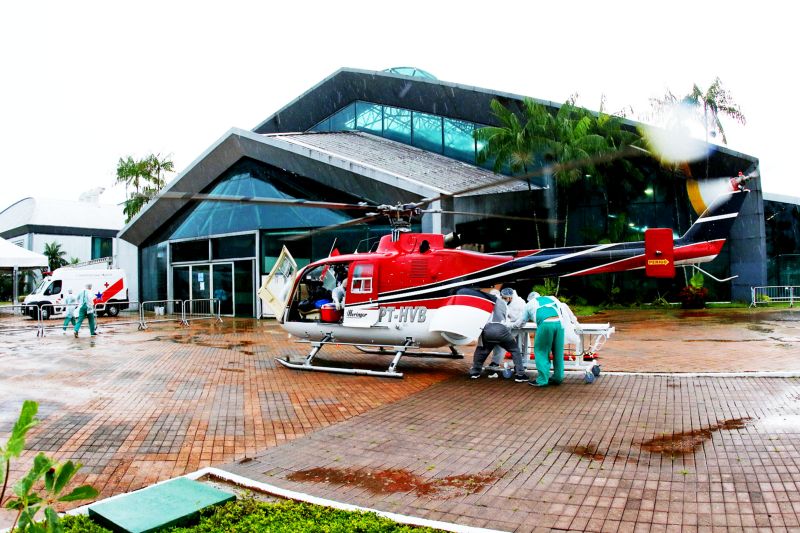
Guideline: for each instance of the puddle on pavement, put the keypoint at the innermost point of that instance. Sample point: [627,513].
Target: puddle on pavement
[689,441]
[208,343]
[759,329]
[397,481]
[787,423]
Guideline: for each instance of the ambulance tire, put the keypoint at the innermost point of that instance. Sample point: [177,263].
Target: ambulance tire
[112,310]
[46,312]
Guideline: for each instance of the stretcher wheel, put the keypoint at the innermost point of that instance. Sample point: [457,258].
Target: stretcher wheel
[596,370]
[588,378]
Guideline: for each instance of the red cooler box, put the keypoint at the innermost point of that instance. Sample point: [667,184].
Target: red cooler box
[329,313]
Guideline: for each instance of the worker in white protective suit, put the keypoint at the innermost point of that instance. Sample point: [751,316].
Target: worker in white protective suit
[339,292]
[515,306]
[554,321]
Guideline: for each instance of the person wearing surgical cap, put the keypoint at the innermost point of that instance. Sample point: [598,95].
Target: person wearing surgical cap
[550,315]
[514,309]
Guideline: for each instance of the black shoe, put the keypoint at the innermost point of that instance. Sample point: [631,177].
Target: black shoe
[494,366]
[520,378]
[76,334]
[493,375]
[533,383]
[554,382]
[474,375]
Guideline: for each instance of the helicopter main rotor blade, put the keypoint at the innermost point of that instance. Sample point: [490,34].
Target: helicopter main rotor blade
[354,222]
[263,201]
[628,151]
[491,215]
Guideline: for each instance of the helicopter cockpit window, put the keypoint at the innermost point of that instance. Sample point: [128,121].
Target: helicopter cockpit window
[324,275]
[362,279]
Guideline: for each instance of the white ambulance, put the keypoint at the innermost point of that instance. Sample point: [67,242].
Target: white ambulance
[109,287]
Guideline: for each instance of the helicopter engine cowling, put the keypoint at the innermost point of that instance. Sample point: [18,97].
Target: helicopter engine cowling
[461,320]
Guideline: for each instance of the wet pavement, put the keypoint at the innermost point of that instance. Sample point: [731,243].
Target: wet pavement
[628,452]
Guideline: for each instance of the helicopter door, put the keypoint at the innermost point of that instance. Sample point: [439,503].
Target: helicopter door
[277,288]
[362,291]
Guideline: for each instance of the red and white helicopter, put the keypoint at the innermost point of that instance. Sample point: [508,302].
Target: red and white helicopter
[414,292]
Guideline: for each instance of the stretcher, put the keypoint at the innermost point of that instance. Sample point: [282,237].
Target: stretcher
[578,356]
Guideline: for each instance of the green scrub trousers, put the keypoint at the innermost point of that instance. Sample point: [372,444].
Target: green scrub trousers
[83,314]
[549,337]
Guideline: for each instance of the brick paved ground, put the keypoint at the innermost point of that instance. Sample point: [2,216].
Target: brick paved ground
[723,453]
[137,407]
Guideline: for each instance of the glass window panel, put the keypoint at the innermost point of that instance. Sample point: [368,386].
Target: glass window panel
[233,247]
[243,285]
[189,251]
[344,119]
[222,278]
[369,118]
[180,283]
[427,132]
[153,261]
[251,179]
[397,124]
[458,140]
[102,247]
[325,125]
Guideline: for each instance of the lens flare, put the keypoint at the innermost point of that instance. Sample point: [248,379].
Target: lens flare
[675,138]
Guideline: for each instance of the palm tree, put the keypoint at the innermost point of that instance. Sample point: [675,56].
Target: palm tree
[131,173]
[716,101]
[146,176]
[572,134]
[55,255]
[517,145]
[156,167]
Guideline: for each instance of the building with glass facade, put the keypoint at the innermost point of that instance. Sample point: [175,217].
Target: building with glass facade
[782,217]
[400,136]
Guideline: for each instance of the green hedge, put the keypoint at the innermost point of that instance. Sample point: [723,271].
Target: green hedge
[250,515]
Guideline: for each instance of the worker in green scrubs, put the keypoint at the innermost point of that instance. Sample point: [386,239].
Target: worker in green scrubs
[546,311]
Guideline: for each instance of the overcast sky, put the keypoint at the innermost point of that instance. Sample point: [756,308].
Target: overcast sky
[87,82]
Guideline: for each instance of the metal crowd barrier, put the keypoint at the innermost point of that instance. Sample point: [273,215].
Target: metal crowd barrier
[13,319]
[128,315]
[206,309]
[774,294]
[153,311]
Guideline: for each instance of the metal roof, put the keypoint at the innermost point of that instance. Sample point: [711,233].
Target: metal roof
[447,176]
[41,212]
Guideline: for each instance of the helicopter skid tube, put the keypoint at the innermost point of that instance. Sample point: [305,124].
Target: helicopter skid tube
[336,370]
[399,351]
[453,354]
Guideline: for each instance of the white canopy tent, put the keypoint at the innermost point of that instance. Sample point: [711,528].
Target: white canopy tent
[13,257]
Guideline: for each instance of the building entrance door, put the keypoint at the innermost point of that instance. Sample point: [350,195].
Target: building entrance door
[204,281]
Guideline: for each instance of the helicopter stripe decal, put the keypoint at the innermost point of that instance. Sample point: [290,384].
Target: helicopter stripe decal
[717,217]
[438,302]
[503,270]
[686,254]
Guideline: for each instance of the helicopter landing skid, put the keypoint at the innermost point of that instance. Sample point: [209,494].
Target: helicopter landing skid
[453,354]
[399,351]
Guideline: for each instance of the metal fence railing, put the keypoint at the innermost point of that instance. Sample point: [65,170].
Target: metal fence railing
[206,309]
[21,317]
[774,294]
[153,311]
[114,313]
[14,318]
